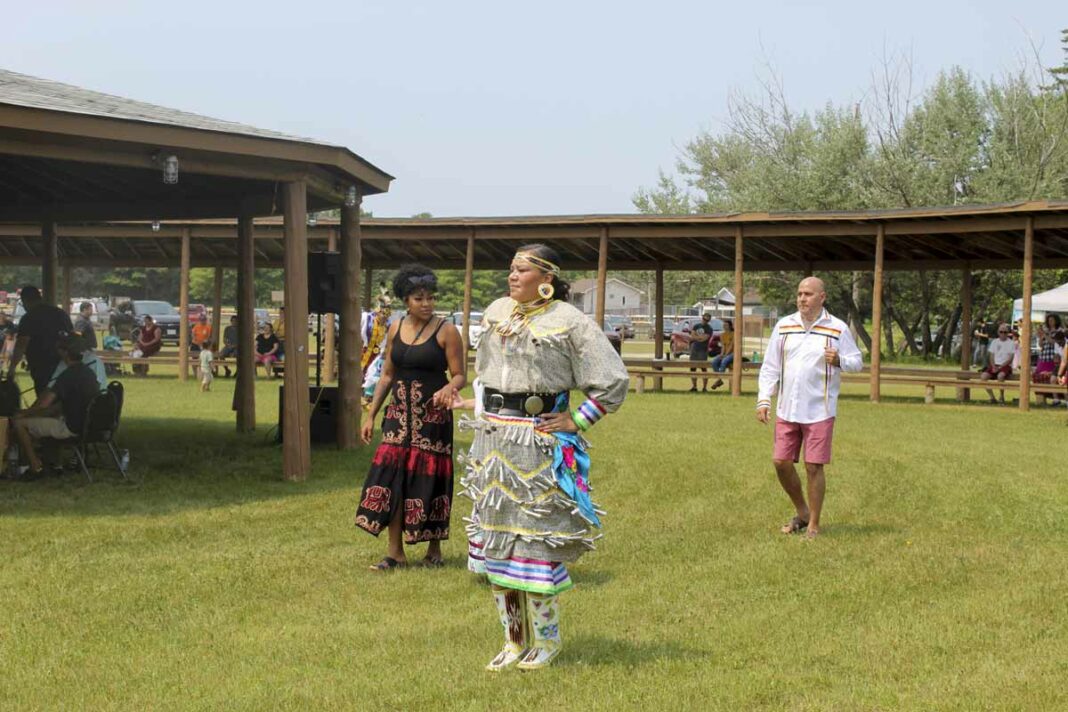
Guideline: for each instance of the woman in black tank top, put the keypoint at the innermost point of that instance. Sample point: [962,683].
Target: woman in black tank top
[408,490]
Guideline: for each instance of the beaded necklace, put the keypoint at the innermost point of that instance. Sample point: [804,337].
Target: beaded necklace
[520,317]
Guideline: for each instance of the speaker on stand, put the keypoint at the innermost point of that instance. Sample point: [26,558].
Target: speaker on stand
[324,297]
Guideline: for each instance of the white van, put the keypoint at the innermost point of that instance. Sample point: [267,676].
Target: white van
[100,313]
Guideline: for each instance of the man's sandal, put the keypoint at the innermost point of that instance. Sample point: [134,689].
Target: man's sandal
[388,564]
[795,525]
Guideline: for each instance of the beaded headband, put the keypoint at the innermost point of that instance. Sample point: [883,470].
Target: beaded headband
[543,264]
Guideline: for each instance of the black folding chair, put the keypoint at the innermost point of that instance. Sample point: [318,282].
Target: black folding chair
[101,420]
[115,388]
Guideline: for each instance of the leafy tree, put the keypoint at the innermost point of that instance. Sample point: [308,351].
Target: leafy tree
[959,141]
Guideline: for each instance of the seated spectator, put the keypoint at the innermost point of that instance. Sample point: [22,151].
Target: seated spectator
[229,348]
[267,346]
[1002,350]
[149,342]
[279,327]
[201,333]
[59,412]
[8,332]
[89,358]
[723,361]
[83,325]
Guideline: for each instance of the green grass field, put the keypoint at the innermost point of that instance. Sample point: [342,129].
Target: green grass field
[939,583]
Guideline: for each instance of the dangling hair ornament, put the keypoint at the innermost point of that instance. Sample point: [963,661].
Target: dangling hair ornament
[545,290]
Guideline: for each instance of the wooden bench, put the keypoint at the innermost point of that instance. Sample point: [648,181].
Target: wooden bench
[927,378]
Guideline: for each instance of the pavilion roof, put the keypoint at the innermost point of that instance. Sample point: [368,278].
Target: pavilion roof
[72,154]
[38,93]
[983,236]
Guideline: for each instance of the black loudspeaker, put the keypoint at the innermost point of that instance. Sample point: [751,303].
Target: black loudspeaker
[325,403]
[324,282]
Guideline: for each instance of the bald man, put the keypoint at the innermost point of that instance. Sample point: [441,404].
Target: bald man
[806,354]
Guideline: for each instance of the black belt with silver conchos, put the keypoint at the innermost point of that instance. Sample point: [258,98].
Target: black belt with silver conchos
[525,405]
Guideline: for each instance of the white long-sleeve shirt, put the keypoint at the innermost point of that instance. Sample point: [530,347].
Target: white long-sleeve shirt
[794,368]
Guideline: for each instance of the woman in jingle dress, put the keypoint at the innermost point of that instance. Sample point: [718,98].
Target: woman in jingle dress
[528,472]
[409,487]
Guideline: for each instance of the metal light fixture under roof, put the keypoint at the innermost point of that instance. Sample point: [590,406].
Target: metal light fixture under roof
[170,170]
[350,197]
[312,219]
[155,226]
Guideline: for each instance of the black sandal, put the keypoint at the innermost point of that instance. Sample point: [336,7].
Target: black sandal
[432,563]
[388,564]
[795,525]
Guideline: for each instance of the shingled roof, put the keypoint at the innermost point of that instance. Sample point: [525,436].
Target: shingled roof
[37,93]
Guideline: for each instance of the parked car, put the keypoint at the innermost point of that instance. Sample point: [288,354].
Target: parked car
[614,337]
[193,312]
[126,320]
[457,319]
[623,324]
[680,336]
[669,327]
[262,317]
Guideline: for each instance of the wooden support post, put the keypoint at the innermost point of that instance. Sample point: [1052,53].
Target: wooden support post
[602,278]
[350,375]
[216,311]
[658,324]
[49,263]
[64,300]
[1025,323]
[877,314]
[469,275]
[296,435]
[183,308]
[245,391]
[964,394]
[329,342]
[739,314]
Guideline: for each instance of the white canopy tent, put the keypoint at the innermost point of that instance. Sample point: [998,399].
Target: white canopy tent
[1054,301]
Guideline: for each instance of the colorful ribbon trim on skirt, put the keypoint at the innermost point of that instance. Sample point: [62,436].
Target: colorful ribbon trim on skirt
[571,466]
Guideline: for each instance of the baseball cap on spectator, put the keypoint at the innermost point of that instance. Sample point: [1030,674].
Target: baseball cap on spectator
[72,344]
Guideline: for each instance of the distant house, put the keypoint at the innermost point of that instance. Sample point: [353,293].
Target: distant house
[620,297]
[722,304]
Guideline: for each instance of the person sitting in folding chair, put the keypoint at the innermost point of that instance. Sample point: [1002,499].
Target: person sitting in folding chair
[59,412]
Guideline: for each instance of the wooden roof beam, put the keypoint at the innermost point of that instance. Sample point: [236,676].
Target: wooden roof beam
[176,208]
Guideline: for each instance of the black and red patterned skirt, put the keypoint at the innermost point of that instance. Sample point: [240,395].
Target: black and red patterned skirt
[412,467]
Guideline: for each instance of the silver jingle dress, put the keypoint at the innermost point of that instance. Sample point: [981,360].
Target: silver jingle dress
[523,525]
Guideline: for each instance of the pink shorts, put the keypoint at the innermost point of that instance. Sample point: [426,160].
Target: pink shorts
[816,438]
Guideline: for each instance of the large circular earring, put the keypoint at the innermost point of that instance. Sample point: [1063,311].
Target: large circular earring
[545,290]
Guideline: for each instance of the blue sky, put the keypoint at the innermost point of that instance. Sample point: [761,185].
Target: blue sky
[503,108]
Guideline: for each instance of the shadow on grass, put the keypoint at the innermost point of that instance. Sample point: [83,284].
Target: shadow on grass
[592,578]
[179,464]
[599,650]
